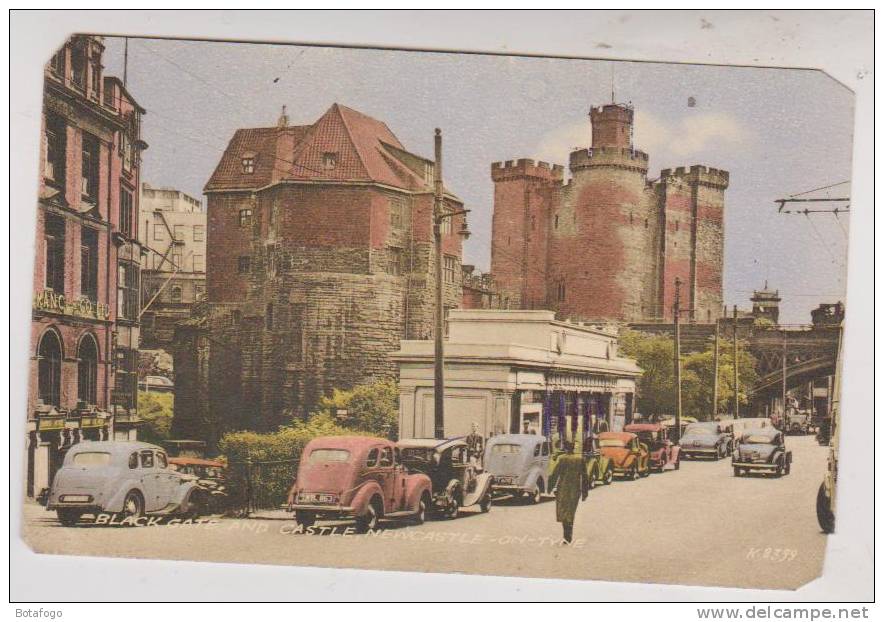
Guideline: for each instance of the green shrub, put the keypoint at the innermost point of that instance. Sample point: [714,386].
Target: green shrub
[156,410]
[370,408]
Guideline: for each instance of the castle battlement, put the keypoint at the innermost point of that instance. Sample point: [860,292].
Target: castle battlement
[608,156]
[698,173]
[526,167]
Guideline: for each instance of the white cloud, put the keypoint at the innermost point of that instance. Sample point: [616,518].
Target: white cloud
[669,143]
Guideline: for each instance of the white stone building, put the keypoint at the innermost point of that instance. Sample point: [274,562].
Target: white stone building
[501,369]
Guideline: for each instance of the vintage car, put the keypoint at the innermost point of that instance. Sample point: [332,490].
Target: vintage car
[356,477]
[456,482]
[210,475]
[762,449]
[599,467]
[629,456]
[520,465]
[128,478]
[744,424]
[669,423]
[663,454]
[707,439]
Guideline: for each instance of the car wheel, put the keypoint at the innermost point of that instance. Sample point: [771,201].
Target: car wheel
[485,503]
[788,468]
[593,477]
[737,472]
[422,506]
[305,519]
[536,494]
[824,514]
[609,476]
[68,517]
[133,505]
[678,463]
[779,471]
[633,473]
[368,521]
[646,472]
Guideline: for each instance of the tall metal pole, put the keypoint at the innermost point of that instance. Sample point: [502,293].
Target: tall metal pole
[736,371]
[784,379]
[125,60]
[715,371]
[677,358]
[439,378]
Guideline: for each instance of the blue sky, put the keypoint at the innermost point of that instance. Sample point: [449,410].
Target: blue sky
[777,131]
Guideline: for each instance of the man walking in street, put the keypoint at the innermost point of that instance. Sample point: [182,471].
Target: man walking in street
[570,483]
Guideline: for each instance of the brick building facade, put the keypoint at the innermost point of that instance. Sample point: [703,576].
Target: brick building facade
[320,260]
[84,328]
[609,243]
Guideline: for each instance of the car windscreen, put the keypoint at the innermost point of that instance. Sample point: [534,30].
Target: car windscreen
[611,442]
[701,430]
[415,453]
[505,449]
[757,439]
[92,459]
[329,455]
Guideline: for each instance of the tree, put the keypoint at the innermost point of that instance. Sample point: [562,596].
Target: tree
[656,388]
[370,408]
[156,411]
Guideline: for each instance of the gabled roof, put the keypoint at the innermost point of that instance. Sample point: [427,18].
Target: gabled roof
[364,150]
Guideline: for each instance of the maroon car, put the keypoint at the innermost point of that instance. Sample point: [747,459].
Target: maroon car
[356,477]
[664,454]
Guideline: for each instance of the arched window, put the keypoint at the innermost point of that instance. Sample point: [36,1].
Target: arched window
[49,368]
[87,370]
[176,294]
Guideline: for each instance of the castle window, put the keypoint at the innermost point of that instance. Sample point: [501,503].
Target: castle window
[244,264]
[126,214]
[676,225]
[199,263]
[395,267]
[646,223]
[557,221]
[199,233]
[397,212]
[248,165]
[159,232]
[329,160]
[631,220]
[89,264]
[54,238]
[176,294]
[560,290]
[245,217]
[449,268]
[533,222]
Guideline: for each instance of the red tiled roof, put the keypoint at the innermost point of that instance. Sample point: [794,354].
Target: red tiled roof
[364,149]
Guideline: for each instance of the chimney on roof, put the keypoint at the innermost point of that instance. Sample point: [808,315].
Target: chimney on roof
[283,119]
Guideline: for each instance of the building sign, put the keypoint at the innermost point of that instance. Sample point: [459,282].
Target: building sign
[50,423]
[51,302]
[580,382]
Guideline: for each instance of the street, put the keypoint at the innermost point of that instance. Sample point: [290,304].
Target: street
[699,525]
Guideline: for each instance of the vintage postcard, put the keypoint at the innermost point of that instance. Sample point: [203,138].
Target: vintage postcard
[422,311]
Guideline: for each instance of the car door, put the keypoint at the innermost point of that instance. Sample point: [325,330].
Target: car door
[167,478]
[150,480]
[389,478]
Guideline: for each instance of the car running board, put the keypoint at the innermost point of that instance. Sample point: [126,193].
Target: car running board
[399,514]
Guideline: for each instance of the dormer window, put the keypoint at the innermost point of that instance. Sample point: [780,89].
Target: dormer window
[248,164]
[329,160]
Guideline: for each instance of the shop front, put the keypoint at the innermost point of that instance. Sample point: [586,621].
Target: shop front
[517,371]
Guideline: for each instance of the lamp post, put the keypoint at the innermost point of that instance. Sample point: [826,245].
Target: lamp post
[676,312]
[439,215]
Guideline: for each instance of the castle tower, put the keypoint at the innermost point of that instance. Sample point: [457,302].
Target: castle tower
[691,204]
[766,304]
[524,193]
[603,232]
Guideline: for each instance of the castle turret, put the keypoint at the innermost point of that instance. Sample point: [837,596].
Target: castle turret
[766,304]
[523,194]
[611,126]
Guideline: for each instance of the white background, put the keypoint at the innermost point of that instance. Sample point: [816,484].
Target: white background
[841,43]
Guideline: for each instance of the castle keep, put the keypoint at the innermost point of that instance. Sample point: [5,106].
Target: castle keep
[608,244]
[320,260]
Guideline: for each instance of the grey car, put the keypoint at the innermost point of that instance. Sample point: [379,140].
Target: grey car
[762,449]
[128,478]
[706,439]
[519,464]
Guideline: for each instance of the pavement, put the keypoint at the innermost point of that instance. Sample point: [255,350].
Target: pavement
[696,526]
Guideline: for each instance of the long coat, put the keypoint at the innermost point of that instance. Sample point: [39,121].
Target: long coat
[570,475]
